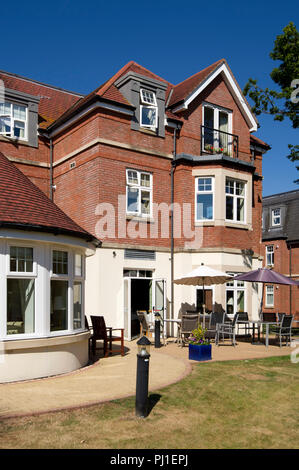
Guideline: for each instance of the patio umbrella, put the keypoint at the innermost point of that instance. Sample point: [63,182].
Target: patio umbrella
[203,276]
[265,276]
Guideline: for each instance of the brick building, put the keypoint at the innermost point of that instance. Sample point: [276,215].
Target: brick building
[281,250]
[167,176]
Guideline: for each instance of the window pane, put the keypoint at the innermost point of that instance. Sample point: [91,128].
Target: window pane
[20,306]
[230,302]
[229,208]
[148,116]
[240,209]
[133,196]
[145,180]
[77,318]
[59,305]
[19,112]
[240,300]
[5,125]
[78,265]
[240,188]
[19,129]
[132,177]
[60,262]
[148,97]
[204,184]
[145,202]
[204,206]
[229,188]
[21,259]
[269,295]
[5,109]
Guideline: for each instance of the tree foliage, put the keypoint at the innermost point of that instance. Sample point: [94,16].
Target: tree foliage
[283,103]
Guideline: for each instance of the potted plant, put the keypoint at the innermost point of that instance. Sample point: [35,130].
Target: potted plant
[200,348]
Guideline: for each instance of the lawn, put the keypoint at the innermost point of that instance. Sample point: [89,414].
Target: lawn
[226,405]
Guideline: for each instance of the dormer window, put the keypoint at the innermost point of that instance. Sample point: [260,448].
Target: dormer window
[276,217]
[13,120]
[148,109]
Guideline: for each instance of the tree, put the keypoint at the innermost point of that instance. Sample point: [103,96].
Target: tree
[284,103]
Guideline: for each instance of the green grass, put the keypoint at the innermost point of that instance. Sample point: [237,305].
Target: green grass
[224,405]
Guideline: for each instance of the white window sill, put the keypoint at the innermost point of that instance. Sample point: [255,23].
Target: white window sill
[139,218]
[204,223]
[230,223]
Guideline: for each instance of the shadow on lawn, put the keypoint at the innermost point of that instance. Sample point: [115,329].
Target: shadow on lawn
[153,399]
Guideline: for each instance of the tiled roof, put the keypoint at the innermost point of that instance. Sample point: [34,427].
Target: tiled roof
[258,141]
[288,202]
[23,205]
[53,101]
[185,88]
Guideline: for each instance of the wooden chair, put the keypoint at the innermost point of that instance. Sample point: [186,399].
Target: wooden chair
[101,332]
[188,324]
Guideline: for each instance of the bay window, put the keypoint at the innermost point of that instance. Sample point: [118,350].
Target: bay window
[139,193]
[204,188]
[235,200]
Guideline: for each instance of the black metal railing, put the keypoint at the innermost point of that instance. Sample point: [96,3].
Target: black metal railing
[215,142]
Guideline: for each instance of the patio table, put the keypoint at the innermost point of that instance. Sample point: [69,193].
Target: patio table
[259,323]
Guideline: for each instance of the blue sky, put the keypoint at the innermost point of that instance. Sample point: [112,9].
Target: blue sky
[79,45]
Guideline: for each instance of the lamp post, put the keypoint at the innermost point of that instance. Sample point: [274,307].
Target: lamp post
[142,377]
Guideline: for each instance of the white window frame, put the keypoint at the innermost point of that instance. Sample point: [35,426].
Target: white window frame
[21,275]
[148,105]
[197,192]
[235,198]
[64,277]
[235,288]
[216,110]
[140,188]
[143,91]
[270,253]
[12,120]
[273,217]
[271,288]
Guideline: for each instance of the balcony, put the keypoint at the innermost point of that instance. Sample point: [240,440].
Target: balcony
[215,142]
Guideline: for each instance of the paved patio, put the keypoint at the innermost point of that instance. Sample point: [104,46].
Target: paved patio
[114,377]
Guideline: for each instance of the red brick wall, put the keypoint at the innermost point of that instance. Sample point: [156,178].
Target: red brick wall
[283,300]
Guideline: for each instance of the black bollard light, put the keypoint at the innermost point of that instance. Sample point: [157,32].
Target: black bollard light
[157,330]
[143,356]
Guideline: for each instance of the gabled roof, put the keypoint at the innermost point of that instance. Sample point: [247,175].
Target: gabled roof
[54,101]
[24,206]
[184,93]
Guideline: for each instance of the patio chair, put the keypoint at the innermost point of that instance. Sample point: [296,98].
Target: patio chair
[101,332]
[216,317]
[145,326]
[188,324]
[243,317]
[269,317]
[227,329]
[280,315]
[284,329]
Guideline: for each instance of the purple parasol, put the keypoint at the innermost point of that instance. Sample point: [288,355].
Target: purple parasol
[267,276]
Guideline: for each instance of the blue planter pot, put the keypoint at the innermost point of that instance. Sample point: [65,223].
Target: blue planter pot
[198,352]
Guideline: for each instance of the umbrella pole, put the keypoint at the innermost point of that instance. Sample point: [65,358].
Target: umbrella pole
[204,302]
